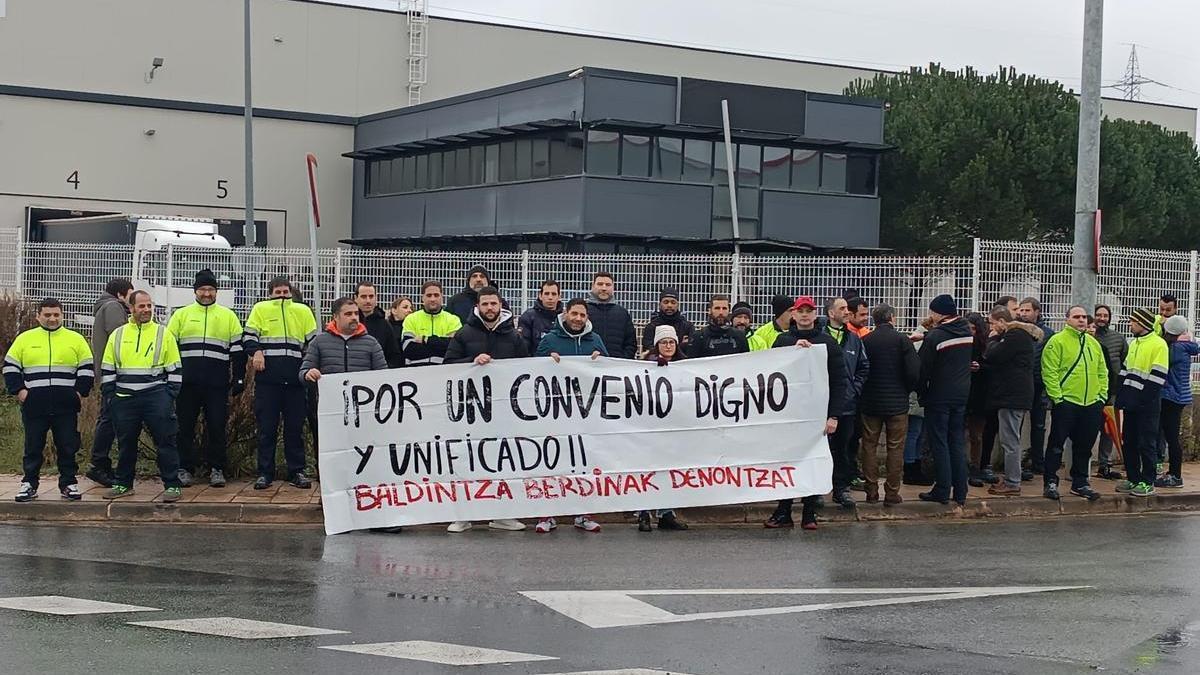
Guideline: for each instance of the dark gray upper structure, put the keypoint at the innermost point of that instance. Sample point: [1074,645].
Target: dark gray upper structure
[611,161]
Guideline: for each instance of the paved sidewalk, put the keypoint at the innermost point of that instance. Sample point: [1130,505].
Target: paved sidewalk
[238,502]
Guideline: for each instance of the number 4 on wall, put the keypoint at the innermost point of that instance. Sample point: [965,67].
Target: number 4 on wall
[73,179]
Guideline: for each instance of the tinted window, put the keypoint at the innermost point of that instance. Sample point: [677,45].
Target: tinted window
[524,159]
[508,161]
[806,169]
[860,174]
[775,165]
[491,164]
[373,177]
[448,169]
[635,155]
[833,172]
[603,152]
[477,162]
[407,169]
[668,158]
[720,166]
[541,157]
[385,176]
[697,160]
[435,170]
[462,166]
[422,178]
[566,154]
[749,165]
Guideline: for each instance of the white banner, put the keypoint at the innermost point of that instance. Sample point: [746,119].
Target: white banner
[530,437]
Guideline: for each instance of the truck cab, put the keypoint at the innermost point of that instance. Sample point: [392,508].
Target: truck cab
[195,246]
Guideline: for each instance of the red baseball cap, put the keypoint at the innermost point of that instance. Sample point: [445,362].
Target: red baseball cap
[804,301]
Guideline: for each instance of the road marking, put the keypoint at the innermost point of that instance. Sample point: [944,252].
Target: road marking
[440,652]
[243,629]
[610,609]
[64,606]
[623,671]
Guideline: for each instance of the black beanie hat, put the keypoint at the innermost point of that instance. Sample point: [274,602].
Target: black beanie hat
[205,277]
[742,307]
[780,304]
[944,305]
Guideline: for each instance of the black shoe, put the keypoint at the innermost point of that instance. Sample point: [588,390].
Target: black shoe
[930,497]
[989,477]
[1026,475]
[262,483]
[668,521]
[1107,473]
[781,519]
[1051,491]
[808,518]
[843,497]
[301,481]
[975,481]
[644,522]
[1086,492]
[396,529]
[100,476]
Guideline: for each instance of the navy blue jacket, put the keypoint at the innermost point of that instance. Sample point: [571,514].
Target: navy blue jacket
[536,322]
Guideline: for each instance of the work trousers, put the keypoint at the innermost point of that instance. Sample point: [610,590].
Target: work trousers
[894,429]
[214,403]
[154,409]
[65,426]
[104,435]
[1172,413]
[1140,441]
[945,425]
[845,467]
[271,402]
[1037,427]
[1008,430]
[1079,424]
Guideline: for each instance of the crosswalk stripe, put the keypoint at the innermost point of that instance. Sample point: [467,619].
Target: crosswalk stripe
[444,653]
[64,606]
[232,627]
[623,671]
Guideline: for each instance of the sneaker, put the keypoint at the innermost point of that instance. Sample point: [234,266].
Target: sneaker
[975,481]
[989,477]
[778,520]
[1107,473]
[892,498]
[118,491]
[301,481]
[1026,475]
[1086,492]
[930,497]
[644,522]
[508,524]
[216,478]
[185,477]
[668,521]
[1142,490]
[858,484]
[27,493]
[843,497]
[1125,487]
[1005,491]
[172,494]
[545,525]
[808,518]
[1168,481]
[459,526]
[1051,491]
[586,524]
[70,493]
[99,476]
[262,483]
[394,529]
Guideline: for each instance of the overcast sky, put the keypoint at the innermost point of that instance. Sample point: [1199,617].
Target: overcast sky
[1038,36]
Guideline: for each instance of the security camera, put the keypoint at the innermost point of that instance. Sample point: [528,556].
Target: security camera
[155,64]
[575,73]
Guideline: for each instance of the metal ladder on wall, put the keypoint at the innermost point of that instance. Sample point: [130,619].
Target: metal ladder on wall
[418,47]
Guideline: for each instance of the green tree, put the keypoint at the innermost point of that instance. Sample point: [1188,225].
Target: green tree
[993,156]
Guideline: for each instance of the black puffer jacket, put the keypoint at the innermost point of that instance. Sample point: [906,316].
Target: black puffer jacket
[473,339]
[614,326]
[714,340]
[379,328]
[835,361]
[683,328]
[858,366]
[1009,365]
[946,364]
[536,322]
[893,375]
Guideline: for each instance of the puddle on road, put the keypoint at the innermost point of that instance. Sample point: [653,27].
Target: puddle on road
[1173,650]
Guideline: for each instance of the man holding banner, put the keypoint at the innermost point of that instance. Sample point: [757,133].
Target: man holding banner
[489,334]
[804,333]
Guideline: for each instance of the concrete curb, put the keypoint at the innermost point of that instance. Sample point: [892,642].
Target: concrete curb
[734,514]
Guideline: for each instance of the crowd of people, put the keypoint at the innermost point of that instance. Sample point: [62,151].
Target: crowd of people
[960,384]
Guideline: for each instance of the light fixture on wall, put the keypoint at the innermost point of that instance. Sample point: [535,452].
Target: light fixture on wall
[575,73]
[150,132]
[155,64]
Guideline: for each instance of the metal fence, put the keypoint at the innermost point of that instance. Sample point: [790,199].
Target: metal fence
[76,274]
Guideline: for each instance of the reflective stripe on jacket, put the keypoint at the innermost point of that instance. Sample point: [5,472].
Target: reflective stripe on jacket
[210,344]
[53,365]
[139,358]
[279,328]
[1144,373]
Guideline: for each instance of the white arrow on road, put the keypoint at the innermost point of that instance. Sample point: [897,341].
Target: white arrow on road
[610,609]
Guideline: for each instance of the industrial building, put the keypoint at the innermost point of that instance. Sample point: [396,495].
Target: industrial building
[90,125]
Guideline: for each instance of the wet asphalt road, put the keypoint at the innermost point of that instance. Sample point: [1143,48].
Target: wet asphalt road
[1141,614]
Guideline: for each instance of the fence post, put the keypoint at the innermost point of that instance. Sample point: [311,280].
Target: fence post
[20,266]
[1191,301]
[525,304]
[975,266]
[168,300]
[337,274]
[735,272]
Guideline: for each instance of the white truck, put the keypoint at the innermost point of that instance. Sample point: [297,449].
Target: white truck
[151,237]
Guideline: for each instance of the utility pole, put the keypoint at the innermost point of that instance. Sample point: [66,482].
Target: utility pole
[1087,174]
[250,230]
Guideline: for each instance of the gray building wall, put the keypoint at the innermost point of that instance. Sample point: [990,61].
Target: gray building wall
[821,220]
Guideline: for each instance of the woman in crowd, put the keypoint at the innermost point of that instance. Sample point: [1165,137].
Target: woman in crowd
[401,308]
[665,350]
[1176,395]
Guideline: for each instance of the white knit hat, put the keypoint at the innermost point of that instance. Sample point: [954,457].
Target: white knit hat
[1175,325]
[664,333]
